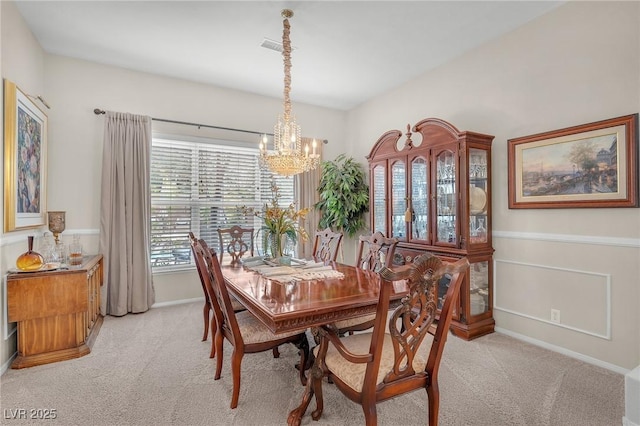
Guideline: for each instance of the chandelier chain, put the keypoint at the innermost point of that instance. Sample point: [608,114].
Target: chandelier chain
[286,54]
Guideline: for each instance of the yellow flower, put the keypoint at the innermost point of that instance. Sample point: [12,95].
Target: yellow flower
[279,222]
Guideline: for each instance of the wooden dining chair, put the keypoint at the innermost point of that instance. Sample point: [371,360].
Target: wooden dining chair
[374,252]
[245,332]
[327,244]
[207,309]
[236,241]
[372,367]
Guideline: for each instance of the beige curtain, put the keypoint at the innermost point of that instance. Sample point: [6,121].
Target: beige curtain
[125,214]
[306,187]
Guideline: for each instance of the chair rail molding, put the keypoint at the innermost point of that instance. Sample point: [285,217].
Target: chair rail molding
[567,238]
[18,237]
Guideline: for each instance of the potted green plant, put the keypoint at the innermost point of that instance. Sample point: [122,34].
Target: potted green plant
[344,195]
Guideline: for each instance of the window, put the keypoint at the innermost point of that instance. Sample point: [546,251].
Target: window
[197,185]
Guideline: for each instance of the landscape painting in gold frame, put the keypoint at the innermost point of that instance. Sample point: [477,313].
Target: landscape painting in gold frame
[25,161]
[591,165]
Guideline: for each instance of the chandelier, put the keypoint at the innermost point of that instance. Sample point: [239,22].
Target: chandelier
[288,157]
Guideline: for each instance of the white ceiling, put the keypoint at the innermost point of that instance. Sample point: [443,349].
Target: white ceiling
[346,52]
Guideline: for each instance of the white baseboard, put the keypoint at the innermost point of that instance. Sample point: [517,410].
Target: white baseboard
[564,351]
[7,364]
[632,377]
[632,398]
[177,302]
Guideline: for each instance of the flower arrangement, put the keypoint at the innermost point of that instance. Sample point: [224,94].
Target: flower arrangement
[279,223]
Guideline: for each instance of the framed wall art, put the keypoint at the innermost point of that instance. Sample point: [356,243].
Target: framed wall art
[591,165]
[25,161]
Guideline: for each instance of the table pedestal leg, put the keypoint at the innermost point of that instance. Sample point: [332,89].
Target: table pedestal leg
[313,386]
[303,347]
[295,416]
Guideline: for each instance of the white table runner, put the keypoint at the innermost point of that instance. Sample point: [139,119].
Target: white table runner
[300,270]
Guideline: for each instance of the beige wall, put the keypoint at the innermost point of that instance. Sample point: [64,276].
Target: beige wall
[579,63]
[77,87]
[575,65]
[22,63]
[73,88]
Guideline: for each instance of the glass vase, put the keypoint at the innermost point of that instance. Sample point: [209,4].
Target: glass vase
[275,245]
[30,260]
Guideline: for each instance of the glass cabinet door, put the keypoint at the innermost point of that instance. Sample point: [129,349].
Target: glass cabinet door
[479,288]
[478,183]
[398,199]
[446,198]
[379,202]
[419,199]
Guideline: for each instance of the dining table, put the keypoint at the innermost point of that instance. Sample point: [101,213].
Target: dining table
[295,302]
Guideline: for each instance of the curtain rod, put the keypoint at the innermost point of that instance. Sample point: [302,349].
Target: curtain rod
[98,111]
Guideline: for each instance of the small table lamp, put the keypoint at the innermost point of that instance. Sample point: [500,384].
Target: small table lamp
[56,223]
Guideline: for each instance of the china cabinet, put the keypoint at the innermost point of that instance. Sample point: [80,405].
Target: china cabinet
[434,194]
[57,312]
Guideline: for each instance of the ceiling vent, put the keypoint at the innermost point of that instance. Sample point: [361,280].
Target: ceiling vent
[274,45]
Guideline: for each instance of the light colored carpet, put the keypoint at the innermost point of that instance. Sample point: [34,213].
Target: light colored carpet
[152,369]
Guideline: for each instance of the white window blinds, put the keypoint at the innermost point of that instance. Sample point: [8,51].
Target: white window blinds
[198,186]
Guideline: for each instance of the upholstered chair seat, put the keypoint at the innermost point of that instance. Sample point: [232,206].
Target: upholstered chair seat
[235,305]
[353,324]
[254,331]
[352,374]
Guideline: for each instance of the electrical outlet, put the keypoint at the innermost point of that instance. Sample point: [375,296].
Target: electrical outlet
[555,316]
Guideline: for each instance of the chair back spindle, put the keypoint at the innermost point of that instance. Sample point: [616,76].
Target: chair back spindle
[327,244]
[236,241]
[375,251]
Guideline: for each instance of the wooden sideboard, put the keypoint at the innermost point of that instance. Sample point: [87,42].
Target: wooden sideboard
[58,312]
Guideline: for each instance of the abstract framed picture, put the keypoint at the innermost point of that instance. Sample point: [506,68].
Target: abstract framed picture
[25,161]
[591,165]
